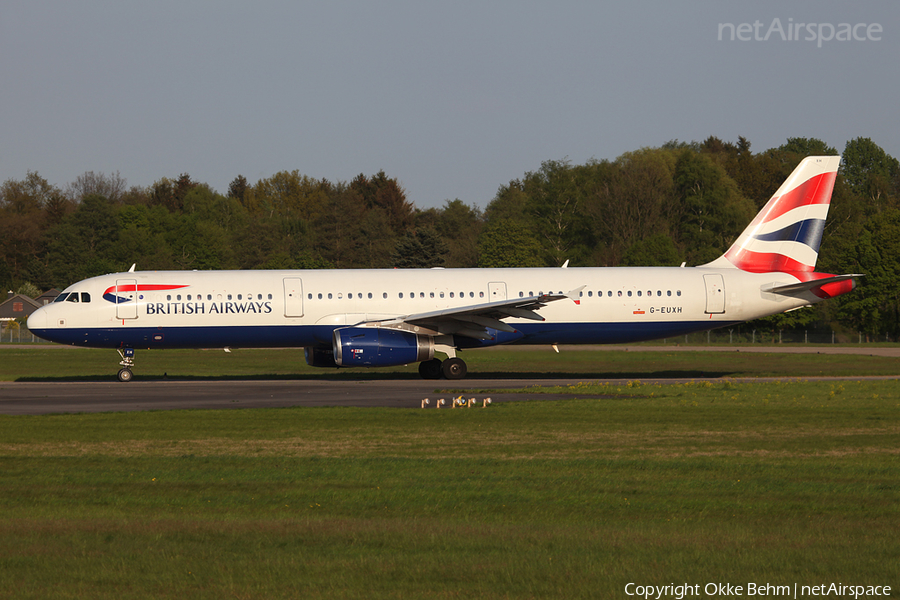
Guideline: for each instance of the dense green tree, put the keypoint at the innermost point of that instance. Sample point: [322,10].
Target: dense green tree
[508,243]
[874,307]
[630,200]
[238,187]
[871,173]
[23,220]
[653,251]
[510,203]
[111,187]
[420,249]
[380,191]
[459,226]
[714,211]
[351,235]
[807,147]
[290,194]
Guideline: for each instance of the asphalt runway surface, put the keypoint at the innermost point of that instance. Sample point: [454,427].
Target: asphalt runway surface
[35,398]
[29,398]
[76,397]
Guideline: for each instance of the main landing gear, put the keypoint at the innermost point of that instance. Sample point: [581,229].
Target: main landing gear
[127,362]
[451,368]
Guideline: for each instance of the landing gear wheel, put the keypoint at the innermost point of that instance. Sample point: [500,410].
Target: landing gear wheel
[125,375]
[454,368]
[430,369]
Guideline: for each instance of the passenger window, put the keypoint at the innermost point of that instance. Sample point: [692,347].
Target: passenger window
[85,297]
[590,294]
[229,296]
[270,296]
[431,294]
[240,297]
[209,296]
[471,294]
[370,295]
[442,294]
[668,292]
[401,294]
[178,297]
[451,294]
[639,293]
[481,294]
[678,293]
[659,292]
[329,295]
[620,293]
[308,297]
[421,294]
[384,295]
[320,295]
[629,293]
[169,297]
[521,294]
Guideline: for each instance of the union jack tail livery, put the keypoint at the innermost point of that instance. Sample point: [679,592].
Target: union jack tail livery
[785,235]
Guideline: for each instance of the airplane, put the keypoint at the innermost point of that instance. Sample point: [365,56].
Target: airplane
[391,317]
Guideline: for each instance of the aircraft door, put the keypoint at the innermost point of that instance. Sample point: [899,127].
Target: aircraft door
[715,294]
[126,299]
[293,297]
[497,291]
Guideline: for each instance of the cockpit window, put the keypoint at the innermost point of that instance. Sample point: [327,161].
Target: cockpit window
[61,297]
[73,297]
[85,297]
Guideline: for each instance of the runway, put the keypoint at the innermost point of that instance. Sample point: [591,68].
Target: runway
[18,398]
[27,398]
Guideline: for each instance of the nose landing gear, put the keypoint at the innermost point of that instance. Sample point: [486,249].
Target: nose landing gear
[127,362]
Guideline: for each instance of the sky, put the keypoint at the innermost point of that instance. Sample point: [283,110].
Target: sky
[454,99]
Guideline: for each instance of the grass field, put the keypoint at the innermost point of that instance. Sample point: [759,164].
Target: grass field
[691,483]
[78,364]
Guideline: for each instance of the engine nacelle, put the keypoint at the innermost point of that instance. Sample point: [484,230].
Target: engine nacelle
[376,347]
[319,357]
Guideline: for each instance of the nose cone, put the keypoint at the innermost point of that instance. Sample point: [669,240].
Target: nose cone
[37,322]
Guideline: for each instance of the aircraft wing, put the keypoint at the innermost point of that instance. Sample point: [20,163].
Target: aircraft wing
[474,320]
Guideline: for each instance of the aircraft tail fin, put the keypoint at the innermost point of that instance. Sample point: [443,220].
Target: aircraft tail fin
[785,235]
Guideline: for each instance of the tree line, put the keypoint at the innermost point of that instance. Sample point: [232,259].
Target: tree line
[681,202]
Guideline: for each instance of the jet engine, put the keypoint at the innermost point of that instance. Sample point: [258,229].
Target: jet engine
[377,347]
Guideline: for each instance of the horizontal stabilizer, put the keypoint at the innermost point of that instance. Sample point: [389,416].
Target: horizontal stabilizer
[806,286]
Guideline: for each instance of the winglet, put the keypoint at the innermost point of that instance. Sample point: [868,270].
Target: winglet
[131,270]
[575,295]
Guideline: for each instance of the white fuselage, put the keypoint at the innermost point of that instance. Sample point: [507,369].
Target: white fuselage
[202,309]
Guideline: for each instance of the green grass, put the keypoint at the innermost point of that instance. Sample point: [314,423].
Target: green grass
[690,483]
[71,364]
